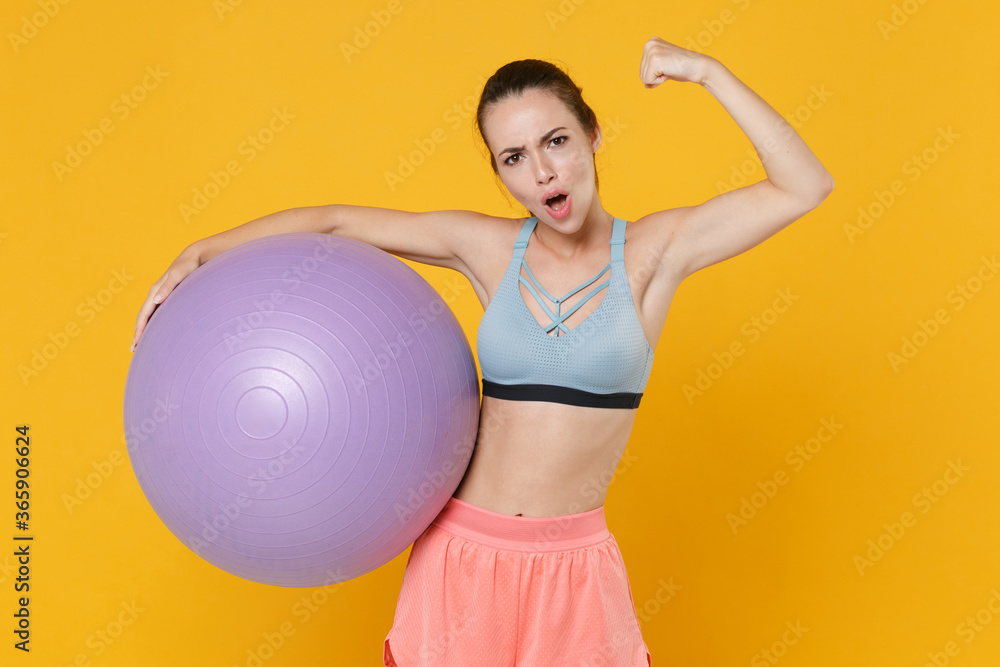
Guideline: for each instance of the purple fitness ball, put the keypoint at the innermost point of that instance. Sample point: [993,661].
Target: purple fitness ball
[300,408]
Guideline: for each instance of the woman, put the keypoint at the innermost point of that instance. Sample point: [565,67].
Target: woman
[519,567]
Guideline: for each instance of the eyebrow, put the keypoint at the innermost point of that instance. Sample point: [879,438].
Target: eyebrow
[544,139]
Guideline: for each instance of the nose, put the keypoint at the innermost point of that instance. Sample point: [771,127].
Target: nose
[544,171]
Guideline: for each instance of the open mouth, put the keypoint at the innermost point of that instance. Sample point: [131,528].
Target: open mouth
[556,202]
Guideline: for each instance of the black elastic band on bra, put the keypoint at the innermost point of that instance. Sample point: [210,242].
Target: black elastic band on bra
[558,394]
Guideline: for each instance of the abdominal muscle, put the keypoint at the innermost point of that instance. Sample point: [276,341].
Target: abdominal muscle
[542,459]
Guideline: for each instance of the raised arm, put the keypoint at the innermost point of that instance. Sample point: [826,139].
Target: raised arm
[693,237]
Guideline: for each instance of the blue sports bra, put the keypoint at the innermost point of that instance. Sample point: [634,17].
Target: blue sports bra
[603,362]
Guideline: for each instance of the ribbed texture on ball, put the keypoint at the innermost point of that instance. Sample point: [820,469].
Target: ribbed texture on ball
[300,408]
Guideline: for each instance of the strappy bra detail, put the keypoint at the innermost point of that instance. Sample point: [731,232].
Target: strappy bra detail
[604,361]
[557,319]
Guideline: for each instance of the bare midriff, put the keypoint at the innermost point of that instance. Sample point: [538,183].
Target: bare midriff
[541,459]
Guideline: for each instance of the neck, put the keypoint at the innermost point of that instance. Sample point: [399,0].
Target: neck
[594,231]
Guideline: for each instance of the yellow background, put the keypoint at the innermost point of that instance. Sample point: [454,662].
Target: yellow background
[707,595]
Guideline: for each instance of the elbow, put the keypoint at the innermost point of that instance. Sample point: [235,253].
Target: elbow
[822,190]
[828,184]
[811,194]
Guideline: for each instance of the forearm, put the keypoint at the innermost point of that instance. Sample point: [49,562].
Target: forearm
[319,219]
[789,163]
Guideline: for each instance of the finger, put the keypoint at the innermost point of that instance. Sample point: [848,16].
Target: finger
[647,58]
[148,306]
[645,74]
[157,295]
[166,285]
[144,314]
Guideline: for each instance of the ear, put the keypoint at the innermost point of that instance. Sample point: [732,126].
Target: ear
[595,141]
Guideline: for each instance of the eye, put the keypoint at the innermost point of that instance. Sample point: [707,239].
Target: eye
[561,140]
[508,160]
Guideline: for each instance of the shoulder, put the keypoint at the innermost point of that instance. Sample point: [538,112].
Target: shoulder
[483,222]
[469,236]
[489,236]
[486,239]
[485,249]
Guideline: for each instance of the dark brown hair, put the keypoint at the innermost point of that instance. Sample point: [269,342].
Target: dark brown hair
[515,78]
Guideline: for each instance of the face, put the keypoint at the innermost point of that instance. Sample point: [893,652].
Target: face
[540,148]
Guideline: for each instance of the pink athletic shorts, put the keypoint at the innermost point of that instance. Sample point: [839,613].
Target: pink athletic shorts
[486,589]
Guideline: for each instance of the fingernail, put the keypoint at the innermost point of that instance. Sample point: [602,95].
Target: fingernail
[133,346]
[157,299]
